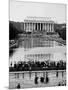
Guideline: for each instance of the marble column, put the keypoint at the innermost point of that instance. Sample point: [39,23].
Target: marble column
[40,26]
[33,26]
[50,27]
[29,26]
[37,26]
[53,27]
[45,26]
[25,26]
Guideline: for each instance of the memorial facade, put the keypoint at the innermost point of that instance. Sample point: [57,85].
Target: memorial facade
[38,23]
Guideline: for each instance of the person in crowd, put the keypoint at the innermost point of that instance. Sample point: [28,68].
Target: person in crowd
[36,80]
[42,79]
[47,78]
[18,86]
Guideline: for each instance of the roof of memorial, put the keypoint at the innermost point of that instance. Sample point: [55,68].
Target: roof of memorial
[39,19]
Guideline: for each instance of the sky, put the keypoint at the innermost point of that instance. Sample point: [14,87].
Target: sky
[19,10]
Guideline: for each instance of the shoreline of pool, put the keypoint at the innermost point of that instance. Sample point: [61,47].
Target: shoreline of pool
[37,71]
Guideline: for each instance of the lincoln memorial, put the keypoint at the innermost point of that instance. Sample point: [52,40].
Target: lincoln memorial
[38,23]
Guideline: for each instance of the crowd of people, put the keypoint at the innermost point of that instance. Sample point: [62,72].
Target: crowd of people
[42,80]
[63,83]
[37,65]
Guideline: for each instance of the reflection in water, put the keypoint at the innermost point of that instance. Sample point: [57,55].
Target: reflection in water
[37,79]
[37,41]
